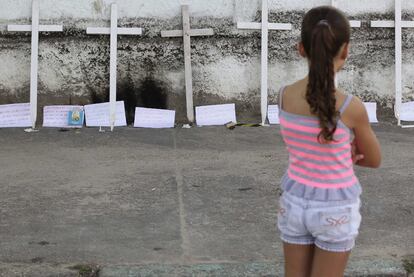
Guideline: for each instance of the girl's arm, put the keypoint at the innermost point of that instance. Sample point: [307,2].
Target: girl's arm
[365,140]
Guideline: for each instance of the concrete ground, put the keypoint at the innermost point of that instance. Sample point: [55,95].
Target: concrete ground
[181,202]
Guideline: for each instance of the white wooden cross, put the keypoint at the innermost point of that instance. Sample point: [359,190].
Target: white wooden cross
[35,28]
[398,24]
[353,23]
[113,31]
[265,26]
[187,33]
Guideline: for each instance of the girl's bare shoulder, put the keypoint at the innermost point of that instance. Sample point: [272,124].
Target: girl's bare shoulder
[295,87]
[356,112]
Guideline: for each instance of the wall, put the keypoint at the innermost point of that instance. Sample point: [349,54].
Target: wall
[73,66]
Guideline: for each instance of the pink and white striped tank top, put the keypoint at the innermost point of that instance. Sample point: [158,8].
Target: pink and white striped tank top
[316,165]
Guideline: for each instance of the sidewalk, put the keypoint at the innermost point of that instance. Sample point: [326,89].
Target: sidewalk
[182,202]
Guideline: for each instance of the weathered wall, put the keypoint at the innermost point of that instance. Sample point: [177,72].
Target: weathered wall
[73,66]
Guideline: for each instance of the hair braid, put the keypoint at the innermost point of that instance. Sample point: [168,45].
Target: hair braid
[324,31]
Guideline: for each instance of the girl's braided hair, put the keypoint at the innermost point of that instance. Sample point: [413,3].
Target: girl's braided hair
[324,31]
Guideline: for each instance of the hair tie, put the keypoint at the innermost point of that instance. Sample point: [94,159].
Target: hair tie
[324,22]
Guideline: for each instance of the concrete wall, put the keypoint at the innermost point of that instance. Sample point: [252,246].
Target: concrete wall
[73,66]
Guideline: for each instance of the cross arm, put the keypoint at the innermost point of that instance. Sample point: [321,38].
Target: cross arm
[249,25]
[355,23]
[28,28]
[258,26]
[173,33]
[391,24]
[201,32]
[107,31]
[280,26]
[193,33]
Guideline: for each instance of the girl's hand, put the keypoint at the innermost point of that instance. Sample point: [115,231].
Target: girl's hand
[356,157]
[365,142]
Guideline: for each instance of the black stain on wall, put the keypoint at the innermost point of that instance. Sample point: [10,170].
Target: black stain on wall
[153,94]
[127,92]
[150,94]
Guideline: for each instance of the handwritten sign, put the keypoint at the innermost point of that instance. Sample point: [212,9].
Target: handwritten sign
[215,114]
[57,116]
[273,114]
[154,118]
[407,111]
[97,115]
[372,111]
[15,115]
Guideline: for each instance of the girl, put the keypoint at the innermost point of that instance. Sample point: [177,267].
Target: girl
[326,132]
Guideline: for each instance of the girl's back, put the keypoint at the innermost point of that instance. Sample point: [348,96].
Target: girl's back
[352,115]
[312,163]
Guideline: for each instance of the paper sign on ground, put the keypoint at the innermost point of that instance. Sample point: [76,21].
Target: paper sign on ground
[15,115]
[57,116]
[372,111]
[154,118]
[97,115]
[407,111]
[273,114]
[215,114]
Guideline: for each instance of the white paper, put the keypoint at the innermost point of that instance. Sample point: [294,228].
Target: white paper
[407,111]
[215,114]
[154,118]
[15,115]
[273,114]
[57,116]
[372,111]
[97,115]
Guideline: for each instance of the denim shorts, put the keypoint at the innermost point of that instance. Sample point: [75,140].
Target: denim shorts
[330,225]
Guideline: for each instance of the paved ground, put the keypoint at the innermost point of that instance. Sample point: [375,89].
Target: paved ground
[182,202]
